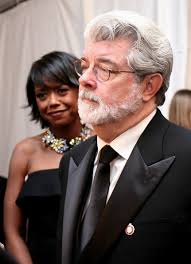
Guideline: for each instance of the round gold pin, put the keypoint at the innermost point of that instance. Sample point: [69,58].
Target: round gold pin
[130,229]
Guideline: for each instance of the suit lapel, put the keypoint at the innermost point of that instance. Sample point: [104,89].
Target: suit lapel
[78,177]
[136,184]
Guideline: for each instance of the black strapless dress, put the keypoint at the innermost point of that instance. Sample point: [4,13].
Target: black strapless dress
[39,201]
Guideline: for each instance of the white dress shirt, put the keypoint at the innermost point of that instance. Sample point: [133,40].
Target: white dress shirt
[123,145]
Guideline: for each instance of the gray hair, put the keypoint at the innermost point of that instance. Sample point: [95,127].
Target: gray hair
[151,51]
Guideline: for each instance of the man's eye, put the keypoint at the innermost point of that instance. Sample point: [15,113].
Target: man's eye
[84,67]
[103,69]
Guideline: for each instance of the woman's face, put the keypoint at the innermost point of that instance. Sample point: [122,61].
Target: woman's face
[57,103]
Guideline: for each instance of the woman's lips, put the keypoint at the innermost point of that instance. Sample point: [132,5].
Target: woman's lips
[56,113]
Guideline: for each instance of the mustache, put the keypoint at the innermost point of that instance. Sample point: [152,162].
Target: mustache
[90,96]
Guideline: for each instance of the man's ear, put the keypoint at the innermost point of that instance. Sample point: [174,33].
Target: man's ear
[153,83]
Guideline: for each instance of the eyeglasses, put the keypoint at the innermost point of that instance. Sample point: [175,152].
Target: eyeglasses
[102,74]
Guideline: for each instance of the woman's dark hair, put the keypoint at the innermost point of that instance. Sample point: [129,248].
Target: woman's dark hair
[55,66]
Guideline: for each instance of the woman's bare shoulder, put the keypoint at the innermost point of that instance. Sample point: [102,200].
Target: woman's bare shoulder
[28,145]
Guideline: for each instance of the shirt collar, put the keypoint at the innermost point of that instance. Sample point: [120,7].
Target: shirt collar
[124,143]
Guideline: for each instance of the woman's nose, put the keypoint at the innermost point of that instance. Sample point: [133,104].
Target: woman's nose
[53,99]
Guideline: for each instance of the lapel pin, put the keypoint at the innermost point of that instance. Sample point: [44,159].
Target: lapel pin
[130,229]
[2,246]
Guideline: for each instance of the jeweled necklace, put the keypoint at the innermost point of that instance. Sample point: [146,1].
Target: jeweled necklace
[61,145]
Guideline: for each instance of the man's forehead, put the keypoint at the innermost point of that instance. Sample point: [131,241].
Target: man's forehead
[116,43]
[106,50]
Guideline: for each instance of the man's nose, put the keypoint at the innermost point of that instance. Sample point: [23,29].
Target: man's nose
[88,78]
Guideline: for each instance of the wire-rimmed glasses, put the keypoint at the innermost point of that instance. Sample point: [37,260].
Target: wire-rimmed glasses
[102,73]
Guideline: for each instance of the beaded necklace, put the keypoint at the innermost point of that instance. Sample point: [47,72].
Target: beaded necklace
[61,145]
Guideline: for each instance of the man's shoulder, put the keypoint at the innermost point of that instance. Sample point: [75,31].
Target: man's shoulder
[83,147]
[79,150]
[84,144]
[179,134]
[77,153]
[177,129]
[162,127]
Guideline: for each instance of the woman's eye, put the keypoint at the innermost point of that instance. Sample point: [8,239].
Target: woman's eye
[41,96]
[62,90]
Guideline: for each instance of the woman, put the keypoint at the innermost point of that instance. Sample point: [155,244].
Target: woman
[180,108]
[32,195]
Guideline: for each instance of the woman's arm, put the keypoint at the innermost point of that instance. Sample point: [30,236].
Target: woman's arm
[14,222]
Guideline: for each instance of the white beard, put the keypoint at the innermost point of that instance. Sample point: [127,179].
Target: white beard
[99,113]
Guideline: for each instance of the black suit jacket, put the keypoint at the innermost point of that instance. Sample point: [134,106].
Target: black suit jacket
[153,193]
[6,258]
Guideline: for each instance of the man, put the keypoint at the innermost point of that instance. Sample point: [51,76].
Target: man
[146,218]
